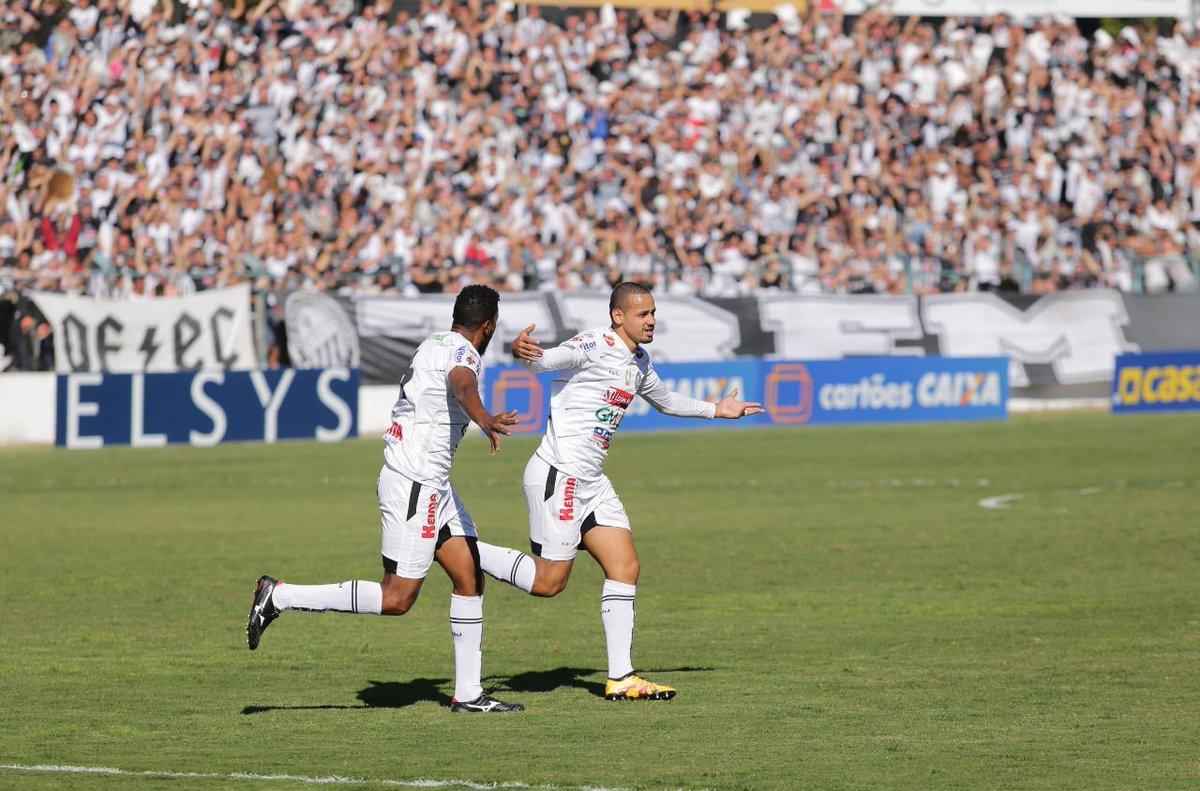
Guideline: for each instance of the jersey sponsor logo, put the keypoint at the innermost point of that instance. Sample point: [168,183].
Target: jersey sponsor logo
[464,355]
[396,431]
[602,436]
[567,512]
[610,340]
[609,416]
[618,397]
[429,529]
[582,342]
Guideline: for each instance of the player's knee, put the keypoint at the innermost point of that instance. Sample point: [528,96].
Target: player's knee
[398,605]
[397,602]
[549,585]
[468,587]
[626,571]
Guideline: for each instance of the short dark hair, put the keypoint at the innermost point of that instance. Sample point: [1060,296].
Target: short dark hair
[475,305]
[623,291]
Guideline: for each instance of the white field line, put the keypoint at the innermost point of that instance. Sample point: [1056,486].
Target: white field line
[330,780]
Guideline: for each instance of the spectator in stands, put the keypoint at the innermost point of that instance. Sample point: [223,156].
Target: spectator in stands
[152,150]
[30,343]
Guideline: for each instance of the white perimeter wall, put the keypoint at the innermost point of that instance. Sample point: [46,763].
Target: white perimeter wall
[26,409]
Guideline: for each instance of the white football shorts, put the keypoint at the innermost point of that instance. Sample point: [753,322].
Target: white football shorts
[414,520]
[562,508]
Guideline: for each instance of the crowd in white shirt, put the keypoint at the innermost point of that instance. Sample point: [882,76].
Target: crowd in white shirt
[154,148]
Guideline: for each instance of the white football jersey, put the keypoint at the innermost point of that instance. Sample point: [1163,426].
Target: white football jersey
[597,381]
[427,420]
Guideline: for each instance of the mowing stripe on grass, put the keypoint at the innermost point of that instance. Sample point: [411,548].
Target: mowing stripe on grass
[330,780]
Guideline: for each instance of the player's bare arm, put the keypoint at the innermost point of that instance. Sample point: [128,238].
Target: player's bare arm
[464,386]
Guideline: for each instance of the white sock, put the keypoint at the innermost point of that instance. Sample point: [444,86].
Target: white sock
[354,596]
[466,625]
[507,565]
[617,611]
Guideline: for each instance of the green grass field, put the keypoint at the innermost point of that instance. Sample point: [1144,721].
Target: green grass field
[836,607]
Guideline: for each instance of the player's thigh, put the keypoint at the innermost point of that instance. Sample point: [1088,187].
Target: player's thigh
[608,536]
[459,556]
[408,514]
[456,549]
[399,593]
[613,549]
[555,509]
[605,507]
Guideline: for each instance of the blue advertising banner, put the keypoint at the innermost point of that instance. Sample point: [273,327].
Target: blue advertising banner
[204,408]
[1163,382]
[824,392]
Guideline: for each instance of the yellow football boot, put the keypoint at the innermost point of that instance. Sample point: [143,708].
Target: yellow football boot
[634,687]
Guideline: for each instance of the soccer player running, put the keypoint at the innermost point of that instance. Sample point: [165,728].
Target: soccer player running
[571,502]
[422,518]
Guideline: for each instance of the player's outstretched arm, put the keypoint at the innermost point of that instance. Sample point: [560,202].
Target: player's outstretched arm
[671,403]
[464,386]
[667,401]
[730,408]
[530,352]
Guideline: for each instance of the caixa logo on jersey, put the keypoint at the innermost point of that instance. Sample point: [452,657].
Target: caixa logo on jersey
[206,407]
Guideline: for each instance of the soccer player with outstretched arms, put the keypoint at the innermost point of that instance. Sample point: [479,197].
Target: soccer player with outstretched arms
[422,518]
[571,502]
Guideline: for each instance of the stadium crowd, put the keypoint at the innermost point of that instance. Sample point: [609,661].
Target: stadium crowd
[158,149]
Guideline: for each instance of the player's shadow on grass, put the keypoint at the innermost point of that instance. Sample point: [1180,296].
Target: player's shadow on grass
[398,694]
[379,695]
[570,677]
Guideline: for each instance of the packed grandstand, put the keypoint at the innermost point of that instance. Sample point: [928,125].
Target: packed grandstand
[159,149]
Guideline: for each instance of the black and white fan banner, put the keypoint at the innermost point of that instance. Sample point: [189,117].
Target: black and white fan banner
[208,330]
